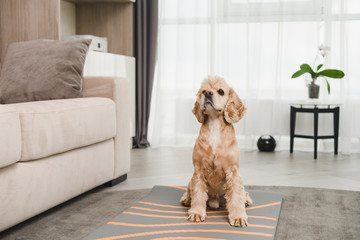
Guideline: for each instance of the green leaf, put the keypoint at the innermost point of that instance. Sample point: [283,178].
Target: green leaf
[306,68]
[318,67]
[298,74]
[332,73]
[328,86]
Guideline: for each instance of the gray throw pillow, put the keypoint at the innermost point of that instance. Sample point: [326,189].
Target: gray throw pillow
[43,70]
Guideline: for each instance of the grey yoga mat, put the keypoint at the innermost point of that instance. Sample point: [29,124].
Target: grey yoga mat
[160,216]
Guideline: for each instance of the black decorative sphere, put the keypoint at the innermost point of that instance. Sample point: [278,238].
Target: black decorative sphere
[266,143]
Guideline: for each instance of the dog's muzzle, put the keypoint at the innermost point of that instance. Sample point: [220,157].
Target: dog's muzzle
[208,101]
[208,98]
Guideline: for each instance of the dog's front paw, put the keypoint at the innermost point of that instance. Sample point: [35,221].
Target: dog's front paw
[196,216]
[238,221]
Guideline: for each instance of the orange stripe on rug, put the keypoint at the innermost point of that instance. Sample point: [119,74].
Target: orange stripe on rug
[265,205]
[164,211]
[182,224]
[157,210]
[173,206]
[217,211]
[217,216]
[182,188]
[262,217]
[162,205]
[151,215]
[196,238]
[186,231]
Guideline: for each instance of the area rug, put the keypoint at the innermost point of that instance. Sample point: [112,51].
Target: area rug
[306,214]
[161,216]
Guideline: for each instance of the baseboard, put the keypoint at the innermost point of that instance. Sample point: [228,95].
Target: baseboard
[116,181]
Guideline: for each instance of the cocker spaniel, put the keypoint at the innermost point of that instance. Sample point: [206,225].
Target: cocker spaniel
[216,181]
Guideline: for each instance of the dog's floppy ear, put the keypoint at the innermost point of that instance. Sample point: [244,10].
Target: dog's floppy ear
[197,108]
[234,108]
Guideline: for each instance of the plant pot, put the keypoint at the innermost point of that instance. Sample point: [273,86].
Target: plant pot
[313,90]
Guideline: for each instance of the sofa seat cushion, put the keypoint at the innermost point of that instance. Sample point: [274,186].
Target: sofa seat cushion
[56,126]
[10,136]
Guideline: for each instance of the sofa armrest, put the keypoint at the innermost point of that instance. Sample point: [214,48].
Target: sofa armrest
[118,90]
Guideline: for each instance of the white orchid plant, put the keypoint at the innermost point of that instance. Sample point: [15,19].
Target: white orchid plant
[331,73]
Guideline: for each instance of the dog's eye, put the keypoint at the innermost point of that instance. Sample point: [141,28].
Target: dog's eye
[221,92]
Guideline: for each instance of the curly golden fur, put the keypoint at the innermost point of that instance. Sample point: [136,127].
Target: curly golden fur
[216,181]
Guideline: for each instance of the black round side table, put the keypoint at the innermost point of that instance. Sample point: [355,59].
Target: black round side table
[315,108]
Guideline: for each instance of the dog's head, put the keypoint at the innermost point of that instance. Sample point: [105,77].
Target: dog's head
[214,98]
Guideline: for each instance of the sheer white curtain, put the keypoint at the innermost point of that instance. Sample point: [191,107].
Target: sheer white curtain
[256,46]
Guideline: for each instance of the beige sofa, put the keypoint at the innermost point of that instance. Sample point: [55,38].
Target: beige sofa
[52,151]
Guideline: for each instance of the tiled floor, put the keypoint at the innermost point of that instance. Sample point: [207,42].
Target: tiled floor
[173,166]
